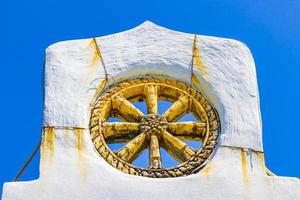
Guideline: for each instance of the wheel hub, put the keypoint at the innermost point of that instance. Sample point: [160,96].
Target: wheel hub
[153,124]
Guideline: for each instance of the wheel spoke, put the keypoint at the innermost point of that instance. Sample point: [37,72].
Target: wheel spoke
[126,110]
[176,148]
[119,131]
[133,149]
[177,109]
[155,160]
[188,130]
[151,95]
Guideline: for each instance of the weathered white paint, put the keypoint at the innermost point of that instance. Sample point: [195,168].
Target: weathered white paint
[70,174]
[71,76]
[73,170]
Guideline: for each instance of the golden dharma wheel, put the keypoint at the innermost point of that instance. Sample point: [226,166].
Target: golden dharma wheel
[154,131]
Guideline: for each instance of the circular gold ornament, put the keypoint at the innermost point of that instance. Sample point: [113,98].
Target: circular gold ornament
[154,131]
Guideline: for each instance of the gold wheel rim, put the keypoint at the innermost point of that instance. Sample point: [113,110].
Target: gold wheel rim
[154,131]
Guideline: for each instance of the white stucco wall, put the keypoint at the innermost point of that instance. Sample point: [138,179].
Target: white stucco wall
[72,77]
[70,171]
[70,174]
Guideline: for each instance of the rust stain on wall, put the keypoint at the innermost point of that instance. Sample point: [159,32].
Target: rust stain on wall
[92,49]
[92,46]
[47,147]
[244,166]
[197,83]
[78,132]
[197,60]
[207,170]
[262,161]
[245,174]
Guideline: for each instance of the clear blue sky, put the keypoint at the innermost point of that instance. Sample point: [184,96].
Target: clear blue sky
[270,28]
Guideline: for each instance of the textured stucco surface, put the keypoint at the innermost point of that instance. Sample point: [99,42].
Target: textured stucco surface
[72,76]
[70,168]
[69,174]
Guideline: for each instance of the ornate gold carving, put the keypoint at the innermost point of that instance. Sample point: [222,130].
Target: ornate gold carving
[153,124]
[153,131]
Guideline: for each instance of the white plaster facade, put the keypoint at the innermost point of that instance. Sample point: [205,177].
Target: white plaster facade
[70,168]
